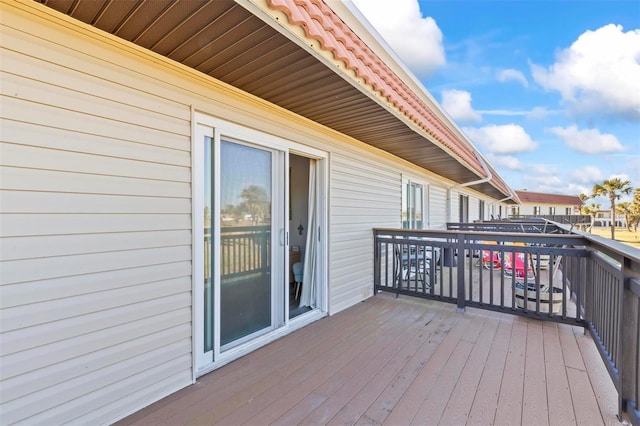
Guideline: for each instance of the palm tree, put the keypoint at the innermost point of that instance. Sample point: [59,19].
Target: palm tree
[625,209]
[591,210]
[613,189]
[634,219]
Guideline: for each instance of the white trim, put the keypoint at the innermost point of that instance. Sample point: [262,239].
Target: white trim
[281,324]
[194,207]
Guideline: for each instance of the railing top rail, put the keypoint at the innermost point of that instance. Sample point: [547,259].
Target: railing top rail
[605,244]
[479,235]
[251,229]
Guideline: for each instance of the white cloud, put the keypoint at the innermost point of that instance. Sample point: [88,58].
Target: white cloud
[589,141]
[599,73]
[535,113]
[457,103]
[506,161]
[512,75]
[503,139]
[587,175]
[416,39]
[538,113]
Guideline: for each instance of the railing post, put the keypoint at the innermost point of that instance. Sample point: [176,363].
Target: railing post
[462,300]
[630,347]
[376,263]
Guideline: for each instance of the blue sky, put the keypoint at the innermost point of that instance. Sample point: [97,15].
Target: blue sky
[549,91]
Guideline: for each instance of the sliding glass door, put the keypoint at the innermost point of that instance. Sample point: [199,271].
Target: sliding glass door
[246,185]
[243,279]
[242,250]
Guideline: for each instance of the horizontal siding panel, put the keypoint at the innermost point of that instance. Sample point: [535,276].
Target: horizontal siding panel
[43,378]
[67,161]
[343,263]
[52,224]
[135,398]
[37,57]
[94,104]
[356,236]
[365,211]
[46,355]
[102,60]
[350,295]
[349,198]
[377,194]
[49,116]
[15,248]
[55,138]
[362,221]
[48,322]
[474,209]
[45,290]
[52,202]
[67,400]
[84,406]
[16,178]
[343,183]
[15,271]
[437,207]
[359,165]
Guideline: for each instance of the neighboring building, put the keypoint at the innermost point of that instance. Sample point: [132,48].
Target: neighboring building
[163,165]
[603,218]
[541,204]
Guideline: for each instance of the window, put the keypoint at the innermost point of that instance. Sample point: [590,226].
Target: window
[567,211]
[481,210]
[552,210]
[413,205]
[536,210]
[464,208]
[515,210]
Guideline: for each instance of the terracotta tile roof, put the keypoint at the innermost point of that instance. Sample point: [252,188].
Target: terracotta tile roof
[539,197]
[321,23]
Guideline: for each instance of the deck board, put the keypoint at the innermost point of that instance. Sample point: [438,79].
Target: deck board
[558,392]
[461,401]
[483,409]
[404,361]
[534,408]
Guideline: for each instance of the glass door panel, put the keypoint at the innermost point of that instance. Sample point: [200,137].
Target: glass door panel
[208,245]
[245,241]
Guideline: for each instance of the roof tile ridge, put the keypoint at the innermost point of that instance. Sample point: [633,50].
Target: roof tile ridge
[320,23]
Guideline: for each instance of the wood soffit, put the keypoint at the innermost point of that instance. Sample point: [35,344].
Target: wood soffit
[225,41]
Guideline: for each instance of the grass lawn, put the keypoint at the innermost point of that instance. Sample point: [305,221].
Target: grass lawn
[622,235]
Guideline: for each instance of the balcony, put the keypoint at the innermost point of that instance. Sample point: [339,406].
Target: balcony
[401,361]
[449,338]
[539,270]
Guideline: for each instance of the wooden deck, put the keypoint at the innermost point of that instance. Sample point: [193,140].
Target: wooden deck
[405,361]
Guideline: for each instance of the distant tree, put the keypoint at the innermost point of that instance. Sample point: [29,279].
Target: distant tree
[635,210]
[584,197]
[625,209]
[256,202]
[612,189]
[591,210]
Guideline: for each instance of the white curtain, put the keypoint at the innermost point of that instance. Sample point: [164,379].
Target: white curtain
[307,298]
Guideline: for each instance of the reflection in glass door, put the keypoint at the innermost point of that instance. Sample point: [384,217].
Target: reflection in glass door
[245,241]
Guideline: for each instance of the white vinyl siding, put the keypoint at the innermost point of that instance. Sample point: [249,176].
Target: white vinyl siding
[474,210]
[437,207]
[364,195]
[95,235]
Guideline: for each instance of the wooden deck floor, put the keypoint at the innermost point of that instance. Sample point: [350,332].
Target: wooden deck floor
[405,361]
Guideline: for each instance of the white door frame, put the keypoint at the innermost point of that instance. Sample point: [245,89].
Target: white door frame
[206,125]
